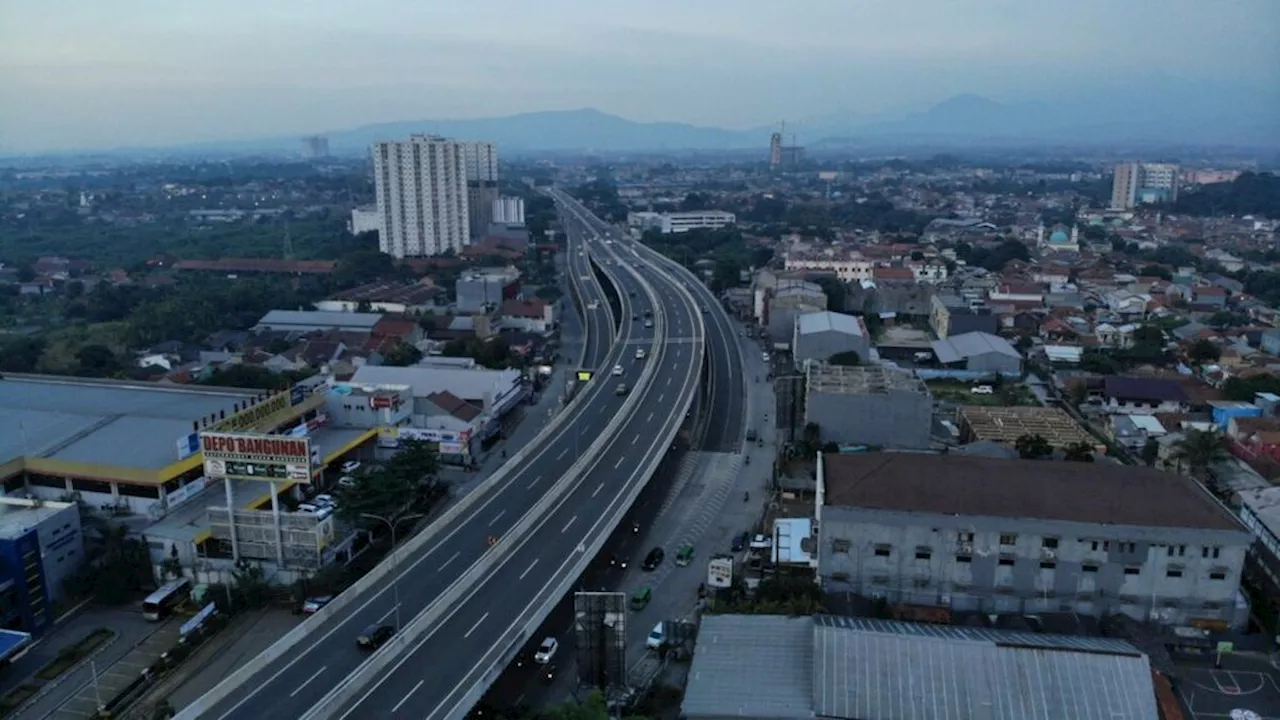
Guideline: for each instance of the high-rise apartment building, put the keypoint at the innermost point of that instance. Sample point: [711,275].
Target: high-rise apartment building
[315,147]
[482,184]
[422,196]
[1143,183]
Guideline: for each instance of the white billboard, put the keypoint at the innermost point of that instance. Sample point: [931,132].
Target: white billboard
[720,572]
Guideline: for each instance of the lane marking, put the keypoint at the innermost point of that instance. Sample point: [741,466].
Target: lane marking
[650,418]
[619,463]
[635,439]
[473,627]
[660,398]
[668,381]
[497,517]
[569,524]
[451,559]
[562,454]
[597,490]
[532,484]
[405,699]
[388,614]
[528,569]
[307,681]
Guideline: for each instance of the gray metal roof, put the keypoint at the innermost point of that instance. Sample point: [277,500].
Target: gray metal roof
[875,669]
[970,344]
[752,666]
[827,321]
[110,424]
[318,320]
[486,386]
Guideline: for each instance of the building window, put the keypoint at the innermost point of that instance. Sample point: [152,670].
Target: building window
[1133,570]
[1008,539]
[882,550]
[1048,565]
[1089,568]
[964,537]
[1006,561]
[1128,547]
[1177,550]
[840,577]
[1050,543]
[1173,573]
[1207,552]
[924,553]
[1104,545]
[964,559]
[1217,575]
[841,545]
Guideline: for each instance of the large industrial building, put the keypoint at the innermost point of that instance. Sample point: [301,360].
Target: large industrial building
[868,405]
[1026,536]
[820,336]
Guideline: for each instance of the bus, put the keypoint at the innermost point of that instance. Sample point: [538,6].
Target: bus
[161,603]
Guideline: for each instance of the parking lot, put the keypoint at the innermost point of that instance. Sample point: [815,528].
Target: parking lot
[1242,686]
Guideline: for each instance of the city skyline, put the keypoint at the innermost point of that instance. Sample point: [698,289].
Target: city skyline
[142,73]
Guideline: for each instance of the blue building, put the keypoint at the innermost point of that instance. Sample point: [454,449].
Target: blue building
[1224,410]
[40,544]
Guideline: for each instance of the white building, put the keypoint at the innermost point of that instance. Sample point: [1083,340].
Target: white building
[364,219]
[482,184]
[847,268]
[1141,183]
[508,211]
[422,196]
[679,222]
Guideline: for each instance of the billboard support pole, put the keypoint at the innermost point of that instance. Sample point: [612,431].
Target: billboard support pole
[275,518]
[231,519]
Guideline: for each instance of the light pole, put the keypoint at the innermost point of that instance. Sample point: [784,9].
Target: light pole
[393,522]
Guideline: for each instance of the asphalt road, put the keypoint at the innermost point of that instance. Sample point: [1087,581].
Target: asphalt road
[599,322]
[329,654]
[480,632]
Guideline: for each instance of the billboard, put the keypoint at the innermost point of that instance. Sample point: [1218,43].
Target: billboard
[720,571]
[600,634]
[451,442]
[273,458]
[255,415]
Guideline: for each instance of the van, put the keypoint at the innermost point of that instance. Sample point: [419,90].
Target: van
[684,555]
[640,598]
[657,636]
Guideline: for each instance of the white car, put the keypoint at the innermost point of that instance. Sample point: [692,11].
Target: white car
[546,651]
[347,481]
[657,636]
[617,370]
[764,357]
[308,508]
[324,500]
[982,390]
[313,605]
[350,466]
[639,353]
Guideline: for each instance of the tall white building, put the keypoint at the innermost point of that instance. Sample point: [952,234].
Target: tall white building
[422,196]
[1141,183]
[508,210]
[482,184]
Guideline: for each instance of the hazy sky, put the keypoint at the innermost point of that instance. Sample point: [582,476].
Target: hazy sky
[106,73]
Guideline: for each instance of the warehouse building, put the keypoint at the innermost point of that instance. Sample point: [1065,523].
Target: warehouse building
[1028,536]
[771,667]
[868,405]
[978,352]
[822,335]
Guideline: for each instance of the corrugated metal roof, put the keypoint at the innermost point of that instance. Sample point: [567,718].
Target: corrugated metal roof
[967,345]
[752,666]
[874,669]
[319,319]
[827,321]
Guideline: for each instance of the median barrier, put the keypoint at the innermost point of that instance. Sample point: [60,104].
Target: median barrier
[268,657]
[536,611]
[423,623]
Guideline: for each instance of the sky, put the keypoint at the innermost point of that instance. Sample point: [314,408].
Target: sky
[79,74]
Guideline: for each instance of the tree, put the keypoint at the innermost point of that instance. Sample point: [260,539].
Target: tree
[97,361]
[1246,389]
[21,354]
[1150,452]
[116,568]
[1032,447]
[1079,452]
[404,484]
[595,707]
[847,359]
[1148,337]
[1203,351]
[399,353]
[1197,450]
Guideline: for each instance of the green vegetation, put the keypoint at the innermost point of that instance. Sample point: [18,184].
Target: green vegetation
[1032,447]
[1197,451]
[116,568]
[1246,389]
[17,697]
[71,655]
[795,596]
[1249,194]
[725,247]
[403,485]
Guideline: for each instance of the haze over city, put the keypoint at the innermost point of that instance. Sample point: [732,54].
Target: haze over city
[148,73]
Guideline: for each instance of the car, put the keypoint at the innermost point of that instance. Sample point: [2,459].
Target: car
[684,555]
[648,323]
[982,390]
[764,357]
[617,370]
[593,305]
[350,466]
[635,318]
[325,500]
[621,389]
[654,559]
[632,293]
[657,636]
[618,561]
[311,606]
[374,636]
[546,651]
[347,481]
[639,353]
[740,541]
[640,598]
[307,507]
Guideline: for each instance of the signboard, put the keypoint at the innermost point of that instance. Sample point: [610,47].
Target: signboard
[272,458]
[205,613]
[584,376]
[255,415]
[297,394]
[188,445]
[381,401]
[720,572]
[174,498]
[391,437]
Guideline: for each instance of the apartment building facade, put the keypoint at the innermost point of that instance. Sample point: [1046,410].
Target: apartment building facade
[422,198]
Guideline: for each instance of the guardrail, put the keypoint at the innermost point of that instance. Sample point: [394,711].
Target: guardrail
[388,565]
[336,699]
[537,611]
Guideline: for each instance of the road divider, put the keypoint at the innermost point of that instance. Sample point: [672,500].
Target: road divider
[423,624]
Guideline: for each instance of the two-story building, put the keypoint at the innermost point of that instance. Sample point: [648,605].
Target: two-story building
[1026,536]
[1143,396]
[533,316]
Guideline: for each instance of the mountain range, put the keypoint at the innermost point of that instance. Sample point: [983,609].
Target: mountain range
[1149,116]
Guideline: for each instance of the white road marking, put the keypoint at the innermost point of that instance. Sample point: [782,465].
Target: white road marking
[619,463]
[562,454]
[526,570]
[635,439]
[597,490]
[386,615]
[304,684]
[405,699]
[450,560]
[568,524]
[650,418]
[473,627]
[660,398]
[534,482]
[668,381]
[497,517]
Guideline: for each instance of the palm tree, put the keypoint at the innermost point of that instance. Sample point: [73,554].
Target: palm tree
[1197,450]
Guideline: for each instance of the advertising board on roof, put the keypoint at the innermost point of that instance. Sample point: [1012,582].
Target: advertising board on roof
[254,415]
[271,458]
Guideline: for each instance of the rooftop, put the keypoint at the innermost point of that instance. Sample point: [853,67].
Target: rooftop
[104,423]
[317,319]
[966,345]
[484,386]
[1039,489]
[752,666]
[1007,424]
[827,321]
[1146,389]
[862,380]
[17,515]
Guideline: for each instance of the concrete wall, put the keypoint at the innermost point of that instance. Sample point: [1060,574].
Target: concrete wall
[1027,566]
[895,419]
[822,345]
[993,362]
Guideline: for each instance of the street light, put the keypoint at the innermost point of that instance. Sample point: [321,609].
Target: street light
[393,522]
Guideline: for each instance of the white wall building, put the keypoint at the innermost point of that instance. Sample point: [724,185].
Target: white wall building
[364,219]
[678,222]
[508,211]
[422,196]
[847,269]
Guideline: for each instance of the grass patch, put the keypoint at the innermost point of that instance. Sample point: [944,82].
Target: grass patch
[71,655]
[1008,394]
[16,697]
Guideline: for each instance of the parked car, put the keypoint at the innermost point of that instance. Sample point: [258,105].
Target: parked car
[313,605]
[740,541]
[347,481]
[374,636]
[350,466]
[982,390]
[657,636]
